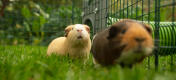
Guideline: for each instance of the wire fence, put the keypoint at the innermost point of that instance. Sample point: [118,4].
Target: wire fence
[160,14]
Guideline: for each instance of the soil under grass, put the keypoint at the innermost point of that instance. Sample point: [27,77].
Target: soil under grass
[31,63]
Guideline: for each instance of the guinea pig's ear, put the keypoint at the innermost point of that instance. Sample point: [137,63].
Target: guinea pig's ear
[68,29]
[148,28]
[112,32]
[87,28]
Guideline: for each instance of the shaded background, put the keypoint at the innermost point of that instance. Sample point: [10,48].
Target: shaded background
[36,22]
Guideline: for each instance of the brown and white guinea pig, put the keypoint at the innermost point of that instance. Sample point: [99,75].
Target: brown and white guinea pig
[126,42]
[76,43]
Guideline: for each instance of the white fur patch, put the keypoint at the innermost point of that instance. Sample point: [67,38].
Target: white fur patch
[148,51]
[131,57]
[84,33]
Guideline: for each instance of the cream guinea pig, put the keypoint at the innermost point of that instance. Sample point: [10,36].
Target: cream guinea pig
[76,43]
[126,42]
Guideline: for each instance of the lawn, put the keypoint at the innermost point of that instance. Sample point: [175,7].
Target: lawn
[31,63]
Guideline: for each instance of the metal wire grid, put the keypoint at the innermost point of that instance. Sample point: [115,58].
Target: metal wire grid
[105,12]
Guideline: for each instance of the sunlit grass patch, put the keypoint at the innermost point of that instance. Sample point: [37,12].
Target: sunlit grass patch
[31,63]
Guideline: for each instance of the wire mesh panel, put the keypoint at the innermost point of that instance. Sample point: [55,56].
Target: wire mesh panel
[95,12]
[160,14]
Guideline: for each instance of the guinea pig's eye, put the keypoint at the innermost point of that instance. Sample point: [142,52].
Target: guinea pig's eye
[72,28]
[123,31]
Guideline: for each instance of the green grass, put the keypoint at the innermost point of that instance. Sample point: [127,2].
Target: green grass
[31,63]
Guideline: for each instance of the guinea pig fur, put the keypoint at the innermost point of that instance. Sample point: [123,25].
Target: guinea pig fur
[76,43]
[126,42]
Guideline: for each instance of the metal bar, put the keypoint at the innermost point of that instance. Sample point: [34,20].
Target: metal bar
[148,23]
[142,10]
[157,19]
[148,11]
[123,9]
[136,9]
[72,11]
[171,47]
[114,8]
[173,33]
[120,9]
[131,9]
[127,8]
[106,11]
[100,14]
[173,20]
[172,62]
[170,4]
[95,25]
[111,9]
[117,8]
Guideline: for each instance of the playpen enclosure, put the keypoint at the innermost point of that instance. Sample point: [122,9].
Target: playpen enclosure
[102,13]
[160,14]
[98,14]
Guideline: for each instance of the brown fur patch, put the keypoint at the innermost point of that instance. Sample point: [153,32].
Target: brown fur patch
[68,29]
[123,36]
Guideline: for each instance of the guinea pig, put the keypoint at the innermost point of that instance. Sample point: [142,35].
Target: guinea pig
[76,43]
[126,42]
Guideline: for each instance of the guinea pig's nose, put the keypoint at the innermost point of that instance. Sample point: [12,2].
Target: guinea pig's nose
[79,30]
[139,39]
